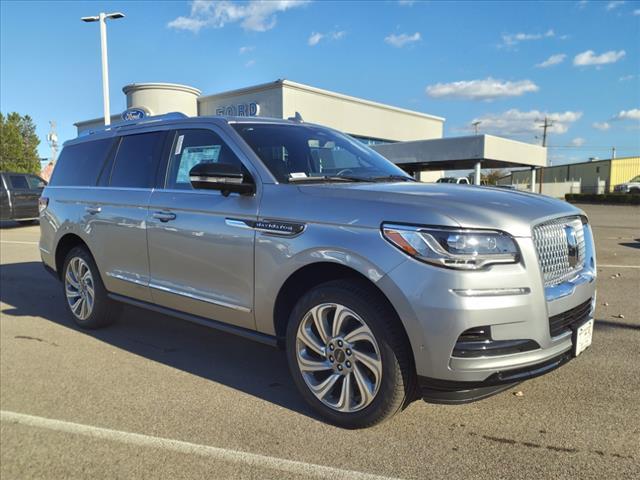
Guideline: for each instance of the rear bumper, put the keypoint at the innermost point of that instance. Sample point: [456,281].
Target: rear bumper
[451,392]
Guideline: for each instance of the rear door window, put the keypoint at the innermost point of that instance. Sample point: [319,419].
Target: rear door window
[19,182]
[137,160]
[80,164]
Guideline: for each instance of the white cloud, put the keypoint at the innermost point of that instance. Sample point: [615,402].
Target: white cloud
[636,11]
[626,78]
[602,126]
[316,37]
[613,5]
[255,15]
[552,60]
[633,114]
[578,142]
[582,4]
[246,49]
[589,58]
[403,39]
[486,89]
[517,123]
[250,63]
[511,39]
[406,3]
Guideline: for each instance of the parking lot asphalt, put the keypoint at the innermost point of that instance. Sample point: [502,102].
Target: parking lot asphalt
[156,397]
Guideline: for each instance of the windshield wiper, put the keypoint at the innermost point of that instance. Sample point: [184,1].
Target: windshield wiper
[328,178]
[393,177]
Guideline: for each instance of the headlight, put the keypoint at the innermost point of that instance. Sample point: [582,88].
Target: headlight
[453,248]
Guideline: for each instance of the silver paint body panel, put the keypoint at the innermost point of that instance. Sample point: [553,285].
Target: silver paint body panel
[208,262]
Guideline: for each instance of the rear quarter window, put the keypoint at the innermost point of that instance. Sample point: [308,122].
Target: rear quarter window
[80,164]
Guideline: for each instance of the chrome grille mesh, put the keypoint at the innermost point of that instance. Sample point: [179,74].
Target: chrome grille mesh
[553,249]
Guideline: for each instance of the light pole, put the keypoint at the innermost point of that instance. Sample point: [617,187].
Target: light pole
[102,18]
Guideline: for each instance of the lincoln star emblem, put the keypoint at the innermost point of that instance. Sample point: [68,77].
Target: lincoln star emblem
[572,245]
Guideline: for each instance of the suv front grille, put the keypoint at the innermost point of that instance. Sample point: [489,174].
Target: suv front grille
[560,323]
[561,248]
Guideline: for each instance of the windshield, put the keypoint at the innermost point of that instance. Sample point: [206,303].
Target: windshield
[295,153]
[635,179]
[446,180]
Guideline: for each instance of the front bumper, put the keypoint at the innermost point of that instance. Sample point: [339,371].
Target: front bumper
[435,314]
[450,392]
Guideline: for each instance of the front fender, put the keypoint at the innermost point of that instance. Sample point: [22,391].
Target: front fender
[277,258]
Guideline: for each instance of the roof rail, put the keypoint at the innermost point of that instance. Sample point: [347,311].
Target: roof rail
[130,123]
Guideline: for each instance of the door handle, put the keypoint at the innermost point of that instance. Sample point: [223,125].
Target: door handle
[164,216]
[93,210]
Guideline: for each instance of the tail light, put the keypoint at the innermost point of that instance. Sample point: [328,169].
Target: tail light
[43,202]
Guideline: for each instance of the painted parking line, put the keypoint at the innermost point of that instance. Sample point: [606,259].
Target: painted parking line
[18,243]
[618,266]
[215,453]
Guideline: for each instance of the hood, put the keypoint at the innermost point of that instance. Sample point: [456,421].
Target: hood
[442,204]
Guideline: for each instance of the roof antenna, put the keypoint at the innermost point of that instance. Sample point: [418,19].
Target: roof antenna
[296,118]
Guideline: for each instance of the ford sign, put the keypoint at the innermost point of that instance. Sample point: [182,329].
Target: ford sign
[251,109]
[131,114]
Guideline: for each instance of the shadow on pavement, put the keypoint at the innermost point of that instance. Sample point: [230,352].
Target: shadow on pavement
[10,224]
[250,367]
[614,324]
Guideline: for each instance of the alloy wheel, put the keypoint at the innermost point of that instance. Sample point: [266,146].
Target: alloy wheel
[338,357]
[79,288]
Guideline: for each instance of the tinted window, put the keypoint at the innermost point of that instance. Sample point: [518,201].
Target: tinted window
[80,164]
[137,160]
[192,147]
[18,181]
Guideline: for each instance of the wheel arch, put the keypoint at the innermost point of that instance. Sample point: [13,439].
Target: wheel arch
[66,243]
[312,275]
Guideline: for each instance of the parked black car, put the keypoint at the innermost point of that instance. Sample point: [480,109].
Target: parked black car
[19,194]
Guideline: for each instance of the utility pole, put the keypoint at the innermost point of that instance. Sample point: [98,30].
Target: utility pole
[52,139]
[475,125]
[547,123]
[102,18]
[613,153]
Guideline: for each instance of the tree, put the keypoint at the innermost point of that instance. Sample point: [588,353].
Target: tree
[493,176]
[18,144]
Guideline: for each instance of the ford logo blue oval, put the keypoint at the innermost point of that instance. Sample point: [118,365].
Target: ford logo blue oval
[133,114]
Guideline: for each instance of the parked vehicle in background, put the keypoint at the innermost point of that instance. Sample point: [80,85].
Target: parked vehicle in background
[380,288]
[508,187]
[19,194]
[632,186]
[457,180]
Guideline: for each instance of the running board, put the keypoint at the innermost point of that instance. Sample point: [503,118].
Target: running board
[223,327]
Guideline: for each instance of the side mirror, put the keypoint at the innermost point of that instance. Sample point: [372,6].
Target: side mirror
[221,176]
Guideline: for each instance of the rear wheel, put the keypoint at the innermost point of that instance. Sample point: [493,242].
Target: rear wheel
[85,296]
[348,354]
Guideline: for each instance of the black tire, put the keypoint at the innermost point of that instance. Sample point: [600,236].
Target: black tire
[397,385]
[104,310]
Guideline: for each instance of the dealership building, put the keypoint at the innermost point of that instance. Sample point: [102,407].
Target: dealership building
[413,140]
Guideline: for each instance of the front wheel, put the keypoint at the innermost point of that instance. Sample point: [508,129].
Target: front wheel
[349,355]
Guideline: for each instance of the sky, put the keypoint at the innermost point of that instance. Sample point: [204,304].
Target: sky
[505,64]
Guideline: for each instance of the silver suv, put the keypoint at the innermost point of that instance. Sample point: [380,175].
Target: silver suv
[381,289]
